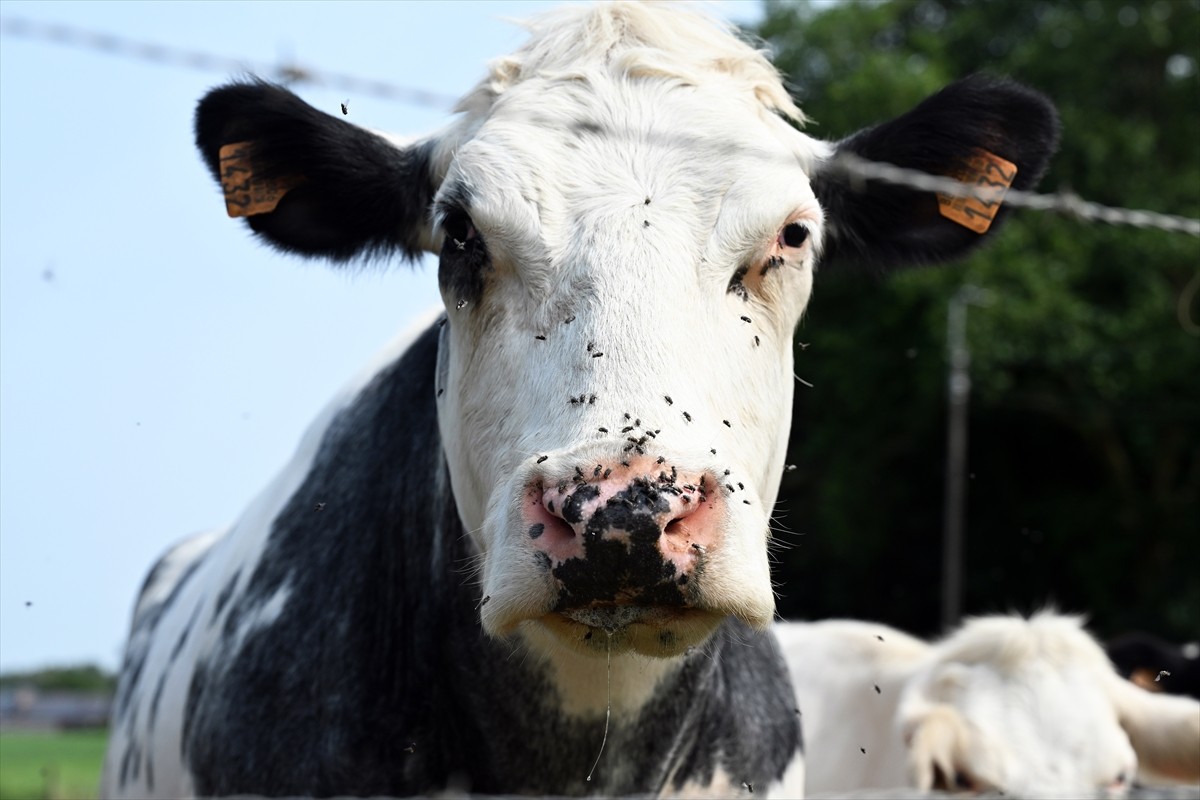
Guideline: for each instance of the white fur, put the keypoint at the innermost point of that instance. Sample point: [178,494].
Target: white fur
[1029,707]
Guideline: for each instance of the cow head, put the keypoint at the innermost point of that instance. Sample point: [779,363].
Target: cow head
[628,223]
[1034,708]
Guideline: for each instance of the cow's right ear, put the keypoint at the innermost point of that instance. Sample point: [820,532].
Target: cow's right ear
[311,183]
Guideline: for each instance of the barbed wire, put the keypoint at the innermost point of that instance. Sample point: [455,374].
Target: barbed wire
[1069,204]
[1065,203]
[160,54]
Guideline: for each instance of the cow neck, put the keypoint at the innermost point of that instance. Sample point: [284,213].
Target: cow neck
[523,722]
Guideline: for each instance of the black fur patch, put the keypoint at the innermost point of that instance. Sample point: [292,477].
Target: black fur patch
[631,568]
[572,507]
[464,262]
[224,595]
[183,635]
[361,196]
[737,285]
[154,701]
[139,649]
[129,761]
[871,223]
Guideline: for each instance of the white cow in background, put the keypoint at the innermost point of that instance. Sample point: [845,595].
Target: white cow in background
[1023,706]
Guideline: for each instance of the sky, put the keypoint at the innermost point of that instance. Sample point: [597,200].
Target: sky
[157,365]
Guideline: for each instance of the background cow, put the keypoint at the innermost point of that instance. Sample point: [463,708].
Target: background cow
[533,542]
[1026,707]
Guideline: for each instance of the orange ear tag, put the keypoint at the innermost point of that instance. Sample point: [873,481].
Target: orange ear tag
[992,176]
[246,195]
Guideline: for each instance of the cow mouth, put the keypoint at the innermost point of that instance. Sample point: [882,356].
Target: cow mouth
[656,631]
[612,618]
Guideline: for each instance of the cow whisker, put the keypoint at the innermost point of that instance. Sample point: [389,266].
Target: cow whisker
[607,710]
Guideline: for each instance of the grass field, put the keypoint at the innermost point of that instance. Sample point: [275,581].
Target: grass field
[51,766]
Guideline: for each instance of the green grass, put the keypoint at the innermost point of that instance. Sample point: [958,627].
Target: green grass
[51,766]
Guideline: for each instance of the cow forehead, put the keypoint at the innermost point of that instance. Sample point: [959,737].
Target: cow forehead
[1034,690]
[560,161]
[1055,724]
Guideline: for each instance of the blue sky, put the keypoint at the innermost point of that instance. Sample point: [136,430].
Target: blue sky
[157,366]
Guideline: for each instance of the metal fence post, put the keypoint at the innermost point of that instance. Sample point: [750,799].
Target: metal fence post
[958,395]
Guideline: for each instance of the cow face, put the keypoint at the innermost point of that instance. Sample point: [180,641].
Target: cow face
[1035,709]
[622,276]
[628,229]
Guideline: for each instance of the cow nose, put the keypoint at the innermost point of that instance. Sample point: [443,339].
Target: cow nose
[624,535]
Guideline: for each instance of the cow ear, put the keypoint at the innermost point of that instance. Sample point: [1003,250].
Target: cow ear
[311,183]
[978,129]
[937,742]
[1163,729]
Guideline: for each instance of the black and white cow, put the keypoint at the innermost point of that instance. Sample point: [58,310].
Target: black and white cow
[535,539]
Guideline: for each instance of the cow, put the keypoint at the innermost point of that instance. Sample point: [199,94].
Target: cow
[528,553]
[1024,707]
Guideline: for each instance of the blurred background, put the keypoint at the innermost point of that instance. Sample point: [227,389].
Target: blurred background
[1083,469]
[157,366]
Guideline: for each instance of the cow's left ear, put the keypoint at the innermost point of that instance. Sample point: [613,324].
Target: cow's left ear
[982,130]
[312,183]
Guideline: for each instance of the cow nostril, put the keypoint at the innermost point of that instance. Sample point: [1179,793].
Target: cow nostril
[550,529]
[674,528]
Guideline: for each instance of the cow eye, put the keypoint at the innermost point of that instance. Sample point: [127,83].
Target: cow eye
[458,229]
[793,235]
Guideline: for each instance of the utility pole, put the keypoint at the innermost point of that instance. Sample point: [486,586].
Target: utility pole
[958,394]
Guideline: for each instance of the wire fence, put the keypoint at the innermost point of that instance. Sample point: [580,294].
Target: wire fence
[166,55]
[1065,203]
[1071,205]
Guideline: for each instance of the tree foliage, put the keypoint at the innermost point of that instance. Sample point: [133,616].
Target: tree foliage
[1085,407]
[81,678]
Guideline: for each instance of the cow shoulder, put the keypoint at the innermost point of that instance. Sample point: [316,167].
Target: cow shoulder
[320,639]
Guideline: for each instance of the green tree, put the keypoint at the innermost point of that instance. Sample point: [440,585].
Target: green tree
[81,678]
[1085,417]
